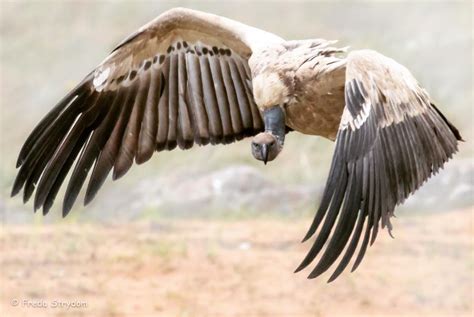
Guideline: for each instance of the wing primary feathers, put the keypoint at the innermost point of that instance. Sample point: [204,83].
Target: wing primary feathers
[395,163]
[425,141]
[93,148]
[433,140]
[363,212]
[44,148]
[128,148]
[38,150]
[409,152]
[328,223]
[443,133]
[108,155]
[387,199]
[256,117]
[390,170]
[35,167]
[403,166]
[125,142]
[370,207]
[61,154]
[148,130]
[242,102]
[335,172]
[171,139]
[80,90]
[413,138]
[163,108]
[377,205]
[210,103]
[222,100]
[185,127]
[351,248]
[195,97]
[344,225]
[453,129]
[232,100]
[48,203]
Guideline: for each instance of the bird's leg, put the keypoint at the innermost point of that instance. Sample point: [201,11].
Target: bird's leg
[274,120]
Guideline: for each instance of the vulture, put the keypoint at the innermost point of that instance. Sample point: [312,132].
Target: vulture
[190,77]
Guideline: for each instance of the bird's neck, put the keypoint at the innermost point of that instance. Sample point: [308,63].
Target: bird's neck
[274,120]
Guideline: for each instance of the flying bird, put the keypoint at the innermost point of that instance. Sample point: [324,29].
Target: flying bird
[190,77]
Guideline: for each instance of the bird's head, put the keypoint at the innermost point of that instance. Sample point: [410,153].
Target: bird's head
[266,147]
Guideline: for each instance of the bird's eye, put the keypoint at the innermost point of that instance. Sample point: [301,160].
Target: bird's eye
[272,143]
[255,145]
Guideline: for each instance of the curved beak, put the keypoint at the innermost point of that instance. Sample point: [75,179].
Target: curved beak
[265,153]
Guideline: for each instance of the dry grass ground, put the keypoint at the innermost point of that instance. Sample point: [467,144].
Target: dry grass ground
[233,268]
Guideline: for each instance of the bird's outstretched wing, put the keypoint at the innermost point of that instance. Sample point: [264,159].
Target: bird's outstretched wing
[181,79]
[391,139]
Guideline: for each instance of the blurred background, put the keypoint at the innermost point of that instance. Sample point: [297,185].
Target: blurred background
[210,231]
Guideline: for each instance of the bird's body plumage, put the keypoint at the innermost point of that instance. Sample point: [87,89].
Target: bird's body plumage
[190,77]
[307,78]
